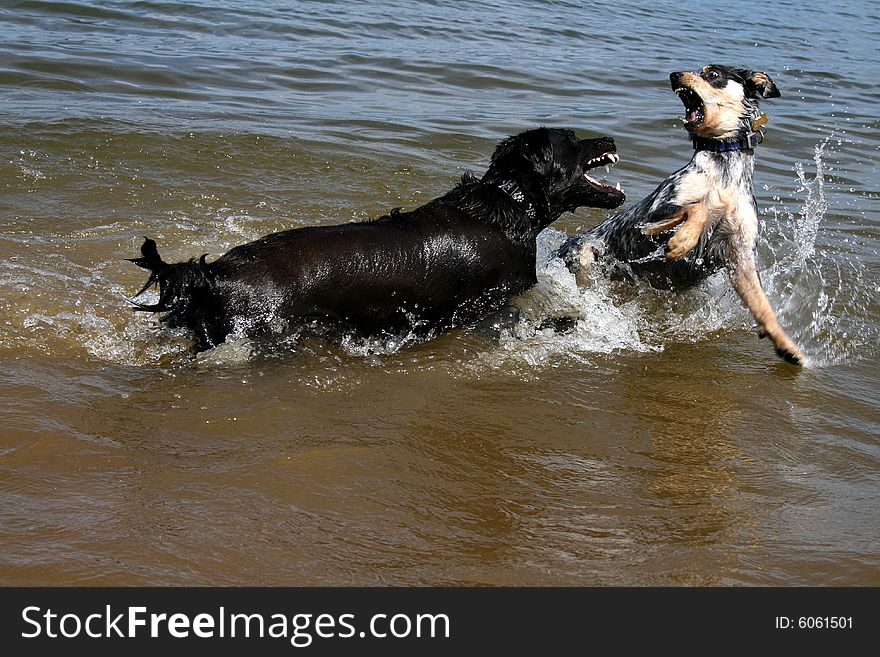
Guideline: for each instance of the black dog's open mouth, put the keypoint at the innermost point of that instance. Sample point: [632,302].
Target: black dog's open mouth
[608,160]
[693,107]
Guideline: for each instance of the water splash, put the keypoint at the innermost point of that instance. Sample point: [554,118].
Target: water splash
[607,317]
[355,345]
[818,282]
[813,210]
[598,324]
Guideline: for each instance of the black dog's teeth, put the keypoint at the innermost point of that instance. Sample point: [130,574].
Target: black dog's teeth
[607,160]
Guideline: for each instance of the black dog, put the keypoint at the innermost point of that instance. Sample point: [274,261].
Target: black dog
[709,203]
[447,263]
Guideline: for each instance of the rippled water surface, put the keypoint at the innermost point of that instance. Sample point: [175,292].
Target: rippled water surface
[657,443]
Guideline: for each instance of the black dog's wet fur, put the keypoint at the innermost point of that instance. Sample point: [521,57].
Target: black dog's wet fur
[447,263]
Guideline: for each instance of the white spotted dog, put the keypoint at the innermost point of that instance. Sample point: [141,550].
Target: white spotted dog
[708,205]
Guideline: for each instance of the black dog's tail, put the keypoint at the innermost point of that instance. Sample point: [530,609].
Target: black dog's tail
[181,286]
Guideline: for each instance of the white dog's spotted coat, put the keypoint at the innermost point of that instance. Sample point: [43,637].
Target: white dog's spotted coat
[709,203]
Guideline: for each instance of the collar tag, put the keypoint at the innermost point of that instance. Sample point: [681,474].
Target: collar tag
[759,121]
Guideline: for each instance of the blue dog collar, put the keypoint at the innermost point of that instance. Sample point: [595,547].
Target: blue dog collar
[746,143]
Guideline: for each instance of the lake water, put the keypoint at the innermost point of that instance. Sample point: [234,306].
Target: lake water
[658,443]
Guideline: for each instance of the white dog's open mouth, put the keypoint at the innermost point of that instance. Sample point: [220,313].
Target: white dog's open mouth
[694,110]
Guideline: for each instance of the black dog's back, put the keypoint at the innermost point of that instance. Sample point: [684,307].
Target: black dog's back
[425,270]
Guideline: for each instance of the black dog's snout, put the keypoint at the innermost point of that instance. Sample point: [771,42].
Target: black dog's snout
[604,144]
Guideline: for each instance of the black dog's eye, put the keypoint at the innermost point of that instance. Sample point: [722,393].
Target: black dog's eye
[712,74]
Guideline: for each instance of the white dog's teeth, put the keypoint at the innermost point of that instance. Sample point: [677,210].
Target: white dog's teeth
[617,187]
[607,168]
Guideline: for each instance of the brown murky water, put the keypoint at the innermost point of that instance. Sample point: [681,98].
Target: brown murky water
[659,443]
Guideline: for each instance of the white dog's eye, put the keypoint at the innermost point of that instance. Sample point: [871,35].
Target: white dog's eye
[713,75]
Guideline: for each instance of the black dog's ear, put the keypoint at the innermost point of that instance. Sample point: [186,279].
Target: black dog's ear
[527,153]
[506,147]
[525,144]
[760,84]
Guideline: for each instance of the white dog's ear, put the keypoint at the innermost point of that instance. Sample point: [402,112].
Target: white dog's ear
[760,84]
